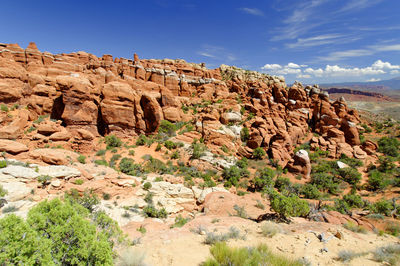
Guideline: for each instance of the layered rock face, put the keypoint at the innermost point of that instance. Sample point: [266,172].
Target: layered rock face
[93,96]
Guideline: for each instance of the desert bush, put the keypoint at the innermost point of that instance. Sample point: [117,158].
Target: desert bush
[310,191]
[88,200]
[352,162]
[261,255]
[269,229]
[128,166]
[44,179]
[78,181]
[233,233]
[142,140]
[264,179]
[198,150]
[100,152]
[287,206]
[325,182]
[258,153]
[175,155]
[355,228]
[389,146]
[147,186]
[170,145]
[112,141]
[233,174]
[167,128]
[393,228]
[348,255]
[55,232]
[131,257]
[82,159]
[242,163]
[244,134]
[382,206]
[282,183]
[153,212]
[4,108]
[3,163]
[3,191]
[240,211]
[377,180]
[350,175]
[389,254]
[180,221]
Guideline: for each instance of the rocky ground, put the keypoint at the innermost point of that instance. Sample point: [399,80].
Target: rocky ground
[145,132]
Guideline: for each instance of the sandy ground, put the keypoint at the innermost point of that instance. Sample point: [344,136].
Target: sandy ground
[180,246]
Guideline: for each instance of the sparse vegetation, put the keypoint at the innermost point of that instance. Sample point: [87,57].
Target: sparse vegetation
[269,229]
[261,255]
[258,153]
[82,159]
[112,141]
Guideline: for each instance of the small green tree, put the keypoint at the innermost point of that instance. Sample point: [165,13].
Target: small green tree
[258,153]
[112,141]
[288,206]
[264,179]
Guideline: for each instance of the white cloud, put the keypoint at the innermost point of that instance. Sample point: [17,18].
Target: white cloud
[271,66]
[206,54]
[379,67]
[317,40]
[379,64]
[252,11]
[373,80]
[293,65]
[394,72]
[303,76]
[355,5]
[366,51]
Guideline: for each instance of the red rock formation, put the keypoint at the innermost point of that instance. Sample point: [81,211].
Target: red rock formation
[101,95]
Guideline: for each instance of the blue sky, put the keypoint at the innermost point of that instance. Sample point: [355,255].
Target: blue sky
[313,41]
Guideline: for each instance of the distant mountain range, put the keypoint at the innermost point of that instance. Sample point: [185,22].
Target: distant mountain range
[381,86]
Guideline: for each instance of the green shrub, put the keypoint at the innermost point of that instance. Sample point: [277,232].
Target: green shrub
[240,211]
[151,211]
[325,182]
[4,108]
[287,206]
[377,180]
[88,200]
[3,163]
[147,186]
[44,179]
[198,150]
[101,162]
[350,175]
[382,206]
[142,140]
[389,146]
[225,256]
[269,229]
[389,254]
[180,221]
[282,183]
[393,228]
[100,152]
[131,152]
[175,155]
[112,141]
[355,228]
[352,162]
[264,179]
[82,159]
[258,153]
[3,192]
[78,181]
[244,134]
[170,145]
[128,166]
[242,163]
[233,174]
[55,232]
[310,191]
[167,128]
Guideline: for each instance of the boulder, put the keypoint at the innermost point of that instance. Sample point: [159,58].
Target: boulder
[54,156]
[301,164]
[12,147]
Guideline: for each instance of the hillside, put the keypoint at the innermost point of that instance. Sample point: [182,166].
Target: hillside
[182,157]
